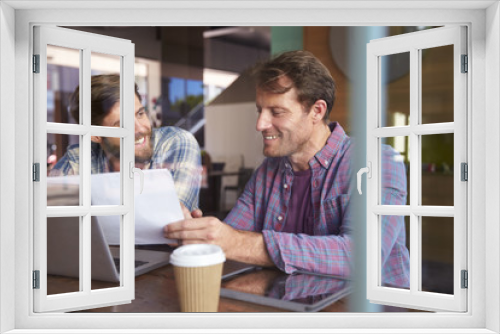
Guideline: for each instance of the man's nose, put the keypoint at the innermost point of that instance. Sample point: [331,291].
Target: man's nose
[263,122]
[139,126]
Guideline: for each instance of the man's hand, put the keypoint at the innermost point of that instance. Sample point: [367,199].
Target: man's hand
[206,230]
[237,245]
[188,215]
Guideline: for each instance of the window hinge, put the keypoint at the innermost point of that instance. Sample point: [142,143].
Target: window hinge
[465,279]
[465,64]
[36,279]
[464,171]
[36,63]
[36,172]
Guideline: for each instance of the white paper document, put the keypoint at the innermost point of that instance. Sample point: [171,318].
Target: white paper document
[156,207]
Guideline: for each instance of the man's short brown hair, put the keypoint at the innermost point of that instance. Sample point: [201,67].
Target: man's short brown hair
[104,93]
[309,76]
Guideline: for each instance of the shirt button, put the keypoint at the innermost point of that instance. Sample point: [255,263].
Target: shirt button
[285,186]
[326,162]
[280,218]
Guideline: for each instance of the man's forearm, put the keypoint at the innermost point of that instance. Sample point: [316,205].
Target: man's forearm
[249,247]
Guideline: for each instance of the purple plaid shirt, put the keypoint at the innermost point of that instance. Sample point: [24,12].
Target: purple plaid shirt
[395,254]
[263,207]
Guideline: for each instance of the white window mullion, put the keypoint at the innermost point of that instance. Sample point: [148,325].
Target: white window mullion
[82,286]
[108,210]
[419,129]
[85,255]
[415,254]
[66,211]
[434,211]
[415,170]
[433,129]
[106,131]
[415,98]
[67,129]
[80,211]
[416,179]
[406,210]
[378,221]
[79,130]
[128,162]
[392,131]
[85,172]
[85,116]
[398,210]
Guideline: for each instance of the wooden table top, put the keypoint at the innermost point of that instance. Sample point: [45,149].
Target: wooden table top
[155,292]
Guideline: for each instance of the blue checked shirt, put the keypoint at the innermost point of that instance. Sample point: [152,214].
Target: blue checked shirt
[173,148]
[264,204]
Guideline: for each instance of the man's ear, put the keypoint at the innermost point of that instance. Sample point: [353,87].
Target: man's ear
[319,110]
[96,139]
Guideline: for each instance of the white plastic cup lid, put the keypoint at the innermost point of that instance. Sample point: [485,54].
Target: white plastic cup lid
[199,255]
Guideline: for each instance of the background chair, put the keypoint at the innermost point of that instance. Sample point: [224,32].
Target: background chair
[244,176]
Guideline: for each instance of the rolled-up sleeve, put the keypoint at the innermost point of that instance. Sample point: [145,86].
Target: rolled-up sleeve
[183,159]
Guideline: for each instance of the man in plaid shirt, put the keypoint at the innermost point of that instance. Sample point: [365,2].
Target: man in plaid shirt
[168,147]
[294,213]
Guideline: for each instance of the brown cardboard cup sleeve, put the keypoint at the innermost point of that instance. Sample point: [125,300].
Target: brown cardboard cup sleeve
[198,271]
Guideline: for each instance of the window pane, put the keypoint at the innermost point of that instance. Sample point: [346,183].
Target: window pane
[63,168]
[437,84]
[106,180]
[437,169]
[395,255]
[395,89]
[437,254]
[63,77]
[395,171]
[63,255]
[183,97]
[106,91]
[106,231]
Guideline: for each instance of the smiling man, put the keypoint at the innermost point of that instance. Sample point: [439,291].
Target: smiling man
[294,212]
[167,147]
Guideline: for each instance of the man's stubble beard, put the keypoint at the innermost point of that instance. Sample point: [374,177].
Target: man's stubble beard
[149,153]
[113,151]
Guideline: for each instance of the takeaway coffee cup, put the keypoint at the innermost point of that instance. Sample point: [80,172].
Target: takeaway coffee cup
[198,271]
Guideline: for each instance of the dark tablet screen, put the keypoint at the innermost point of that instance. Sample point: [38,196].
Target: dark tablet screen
[302,292]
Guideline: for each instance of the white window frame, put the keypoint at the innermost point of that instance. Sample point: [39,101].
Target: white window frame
[85,43]
[16,40]
[413,44]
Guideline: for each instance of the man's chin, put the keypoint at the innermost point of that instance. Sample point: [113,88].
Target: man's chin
[143,154]
[141,158]
[270,154]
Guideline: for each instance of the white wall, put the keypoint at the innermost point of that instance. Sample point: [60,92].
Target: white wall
[7,161]
[230,133]
[230,137]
